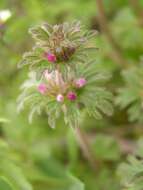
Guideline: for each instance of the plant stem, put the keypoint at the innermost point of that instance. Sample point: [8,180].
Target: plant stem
[85,147]
[138,10]
[116,53]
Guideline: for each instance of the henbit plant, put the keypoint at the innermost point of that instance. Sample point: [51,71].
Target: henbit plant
[79,88]
[120,41]
[131,95]
[64,81]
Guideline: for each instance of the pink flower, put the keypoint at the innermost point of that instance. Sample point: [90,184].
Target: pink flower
[47,75]
[72,96]
[79,83]
[50,57]
[55,80]
[60,98]
[42,88]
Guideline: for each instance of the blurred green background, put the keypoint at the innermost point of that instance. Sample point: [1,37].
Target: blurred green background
[34,156]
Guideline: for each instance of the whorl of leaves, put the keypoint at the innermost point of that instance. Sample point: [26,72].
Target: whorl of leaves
[131,94]
[92,97]
[68,42]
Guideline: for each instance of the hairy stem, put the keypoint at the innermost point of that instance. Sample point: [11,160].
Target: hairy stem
[116,53]
[85,147]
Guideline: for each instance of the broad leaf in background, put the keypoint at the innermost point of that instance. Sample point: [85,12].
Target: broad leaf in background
[4,184]
[4,120]
[131,94]
[51,174]
[131,172]
[14,175]
[105,147]
[10,171]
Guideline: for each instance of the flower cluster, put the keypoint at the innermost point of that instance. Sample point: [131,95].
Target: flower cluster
[59,91]
[64,44]
[53,85]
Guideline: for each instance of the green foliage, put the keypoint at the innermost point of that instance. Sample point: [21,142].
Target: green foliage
[4,184]
[3,120]
[131,173]
[109,148]
[125,21]
[34,156]
[58,178]
[131,96]
[47,171]
[12,176]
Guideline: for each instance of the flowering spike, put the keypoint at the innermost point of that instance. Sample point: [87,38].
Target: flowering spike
[60,98]
[42,88]
[67,46]
[72,96]
[79,83]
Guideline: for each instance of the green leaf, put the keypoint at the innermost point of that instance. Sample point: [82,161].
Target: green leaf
[4,184]
[106,148]
[30,58]
[39,33]
[130,95]
[14,174]
[4,120]
[58,177]
[131,172]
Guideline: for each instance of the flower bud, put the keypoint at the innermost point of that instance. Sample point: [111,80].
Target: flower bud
[4,16]
[42,88]
[50,57]
[79,83]
[60,98]
[72,96]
